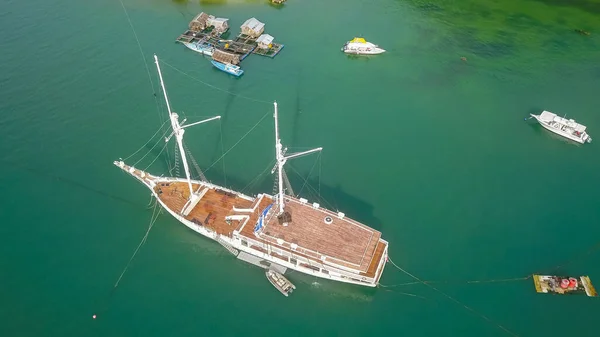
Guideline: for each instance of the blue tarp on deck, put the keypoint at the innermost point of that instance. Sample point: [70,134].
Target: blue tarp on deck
[261,219]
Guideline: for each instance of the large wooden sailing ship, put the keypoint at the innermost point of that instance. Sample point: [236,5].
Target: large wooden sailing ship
[278,230]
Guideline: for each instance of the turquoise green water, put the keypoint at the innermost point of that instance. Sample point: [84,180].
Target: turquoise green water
[431,150]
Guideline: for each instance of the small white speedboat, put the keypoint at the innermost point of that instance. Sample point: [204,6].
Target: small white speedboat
[567,128]
[360,46]
[281,283]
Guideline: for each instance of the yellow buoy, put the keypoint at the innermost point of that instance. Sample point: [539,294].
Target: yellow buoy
[227,45]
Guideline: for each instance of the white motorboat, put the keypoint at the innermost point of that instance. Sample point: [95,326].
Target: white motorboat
[280,282]
[360,46]
[202,48]
[567,128]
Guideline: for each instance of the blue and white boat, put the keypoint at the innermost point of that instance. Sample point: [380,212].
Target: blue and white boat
[228,68]
[201,48]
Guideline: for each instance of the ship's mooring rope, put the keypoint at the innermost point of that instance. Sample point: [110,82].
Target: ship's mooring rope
[577,257]
[105,302]
[405,294]
[460,282]
[454,300]
[155,213]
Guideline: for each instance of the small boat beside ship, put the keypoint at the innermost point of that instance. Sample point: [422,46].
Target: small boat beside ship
[564,285]
[228,68]
[360,46]
[567,128]
[280,282]
[202,48]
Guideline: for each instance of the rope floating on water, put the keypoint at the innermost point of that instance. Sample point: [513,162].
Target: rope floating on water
[403,293]
[454,300]
[464,282]
[153,218]
[152,221]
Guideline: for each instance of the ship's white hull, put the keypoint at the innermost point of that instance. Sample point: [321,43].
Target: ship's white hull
[557,130]
[237,244]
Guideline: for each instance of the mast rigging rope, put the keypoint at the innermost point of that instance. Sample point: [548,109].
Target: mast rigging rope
[149,140]
[156,102]
[234,145]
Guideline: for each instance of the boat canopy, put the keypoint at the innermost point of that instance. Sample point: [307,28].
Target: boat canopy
[358,40]
[548,116]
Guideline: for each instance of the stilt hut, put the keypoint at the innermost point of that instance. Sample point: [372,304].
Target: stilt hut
[253,28]
[220,24]
[198,24]
[225,57]
[265,41]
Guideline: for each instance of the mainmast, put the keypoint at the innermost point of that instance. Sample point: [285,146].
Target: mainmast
[281,160]
[178,131]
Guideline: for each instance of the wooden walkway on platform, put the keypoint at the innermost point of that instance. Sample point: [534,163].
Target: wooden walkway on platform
[271,52]
[190,36]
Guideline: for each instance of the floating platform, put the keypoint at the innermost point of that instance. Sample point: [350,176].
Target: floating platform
[271,52]
[242,45]
[202,37]
[216,39]
[564,285]
[239,48]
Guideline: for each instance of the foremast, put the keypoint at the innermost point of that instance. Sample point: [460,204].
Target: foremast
[281,159]
[178,131]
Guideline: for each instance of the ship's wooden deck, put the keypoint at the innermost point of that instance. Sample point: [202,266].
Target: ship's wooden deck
[212,209]
[381,246]
[344,242]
